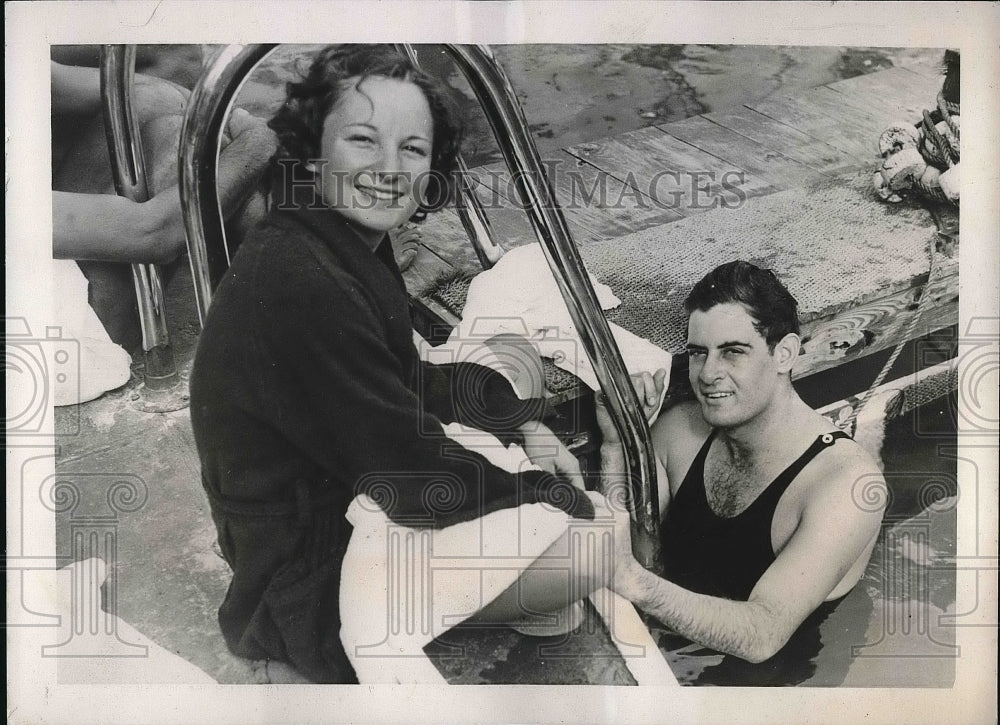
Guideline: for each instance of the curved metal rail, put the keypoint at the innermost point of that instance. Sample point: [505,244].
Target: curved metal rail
[197,165]
[199,199]
[129,171]
[470,210]
[503,111]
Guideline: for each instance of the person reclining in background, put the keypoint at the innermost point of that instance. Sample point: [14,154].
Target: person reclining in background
[104,232]
[770,517]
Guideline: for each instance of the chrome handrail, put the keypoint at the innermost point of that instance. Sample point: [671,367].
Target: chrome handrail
[506,118]
[203,122]
[197,165]
[129,171]
[470,209]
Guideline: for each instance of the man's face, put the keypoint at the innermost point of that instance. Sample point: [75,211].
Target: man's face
[733,373]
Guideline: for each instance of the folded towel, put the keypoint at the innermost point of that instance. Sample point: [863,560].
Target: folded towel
[103,365]
[520,296]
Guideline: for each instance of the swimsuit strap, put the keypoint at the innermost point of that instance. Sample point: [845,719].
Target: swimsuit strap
[785,478]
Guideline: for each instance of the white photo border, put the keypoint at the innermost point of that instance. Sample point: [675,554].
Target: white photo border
[31,27]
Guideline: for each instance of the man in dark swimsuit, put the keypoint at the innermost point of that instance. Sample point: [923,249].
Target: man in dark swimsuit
[770,512]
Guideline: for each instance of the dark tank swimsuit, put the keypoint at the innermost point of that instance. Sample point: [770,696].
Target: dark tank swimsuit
[725,556]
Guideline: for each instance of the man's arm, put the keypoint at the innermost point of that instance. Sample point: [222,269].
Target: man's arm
[820,560]
[75,91]
[109,228]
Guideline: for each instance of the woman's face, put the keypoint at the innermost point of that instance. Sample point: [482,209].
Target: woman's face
[376,153]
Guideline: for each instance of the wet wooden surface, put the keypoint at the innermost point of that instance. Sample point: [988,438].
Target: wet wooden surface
[659,175]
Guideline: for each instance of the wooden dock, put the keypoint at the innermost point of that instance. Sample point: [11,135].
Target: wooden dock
[784,182]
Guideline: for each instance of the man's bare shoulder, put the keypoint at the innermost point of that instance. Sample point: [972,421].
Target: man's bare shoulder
[679,422]
[845,470]
[677,435]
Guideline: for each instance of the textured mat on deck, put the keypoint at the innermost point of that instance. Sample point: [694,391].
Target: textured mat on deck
[832,243]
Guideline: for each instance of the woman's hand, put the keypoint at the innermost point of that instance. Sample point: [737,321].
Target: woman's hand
[548,453]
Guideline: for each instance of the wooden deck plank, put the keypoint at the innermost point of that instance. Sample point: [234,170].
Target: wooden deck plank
[893,84]
[822,120]
[675,174]
[888,111]
[876,113]
[781,171]
[786,140]
[596,204]
[503,193]
[443,234]
[925,67]
[508,220]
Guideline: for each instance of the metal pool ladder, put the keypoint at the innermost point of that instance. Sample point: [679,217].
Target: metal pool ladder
[163,389]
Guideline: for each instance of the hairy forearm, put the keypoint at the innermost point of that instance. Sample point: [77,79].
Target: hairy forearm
[110,228]
[748,630]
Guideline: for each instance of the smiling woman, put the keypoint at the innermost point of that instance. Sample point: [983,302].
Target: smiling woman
[307,391]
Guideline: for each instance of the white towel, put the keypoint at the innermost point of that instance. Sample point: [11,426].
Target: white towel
[102,365]
[520,296]
[401,587]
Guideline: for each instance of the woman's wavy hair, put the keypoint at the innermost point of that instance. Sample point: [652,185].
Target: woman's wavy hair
[298,124]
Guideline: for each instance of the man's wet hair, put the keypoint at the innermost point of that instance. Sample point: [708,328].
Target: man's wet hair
[298,124]
[766,300]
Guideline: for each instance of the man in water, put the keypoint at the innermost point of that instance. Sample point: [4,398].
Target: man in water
[772,512]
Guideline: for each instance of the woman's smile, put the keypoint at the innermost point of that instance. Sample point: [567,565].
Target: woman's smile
[376,154]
